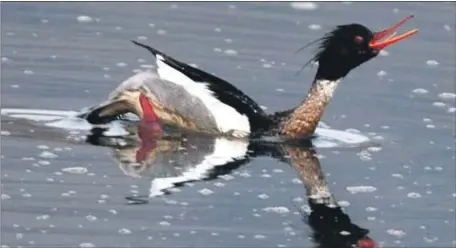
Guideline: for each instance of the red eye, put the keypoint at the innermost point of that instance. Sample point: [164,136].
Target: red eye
[359,39]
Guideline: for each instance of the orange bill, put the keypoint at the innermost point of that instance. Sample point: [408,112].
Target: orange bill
[388,36]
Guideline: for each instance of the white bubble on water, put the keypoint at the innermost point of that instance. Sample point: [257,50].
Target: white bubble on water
[447,96]
[364,155]
[124,231]
[361,189]
[245,174]
[103,196]
[397,175]
[296,181]
[451,110]
[26,195]
[91,217]
[230,52]
[84,19]
[352,130]
[49,155]
[217,30]
[259,236]
[304,5]
[226,177]
[75,170]
[382,73]
[28,72]
[430,126]
[439,104]
[314,27]
[44,162]
[42,217]
[371,218]
[164,223]
[5,133]
[263,196]
[374,149]
[142,38]
[86,245]
[5,197]
[432,62]
[396,233]
[219,184]
[19,236]
[121,64]
[343,203]
[278,210]
[371,209]
[420,91]
[205,191]
[161,32]
[414,195]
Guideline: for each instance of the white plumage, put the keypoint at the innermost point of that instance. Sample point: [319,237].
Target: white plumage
[227,119]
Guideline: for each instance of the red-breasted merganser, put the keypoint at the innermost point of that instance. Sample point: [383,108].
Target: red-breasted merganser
[184,96]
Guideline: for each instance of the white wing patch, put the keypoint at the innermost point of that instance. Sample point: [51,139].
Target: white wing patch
[228,120]
[225,151]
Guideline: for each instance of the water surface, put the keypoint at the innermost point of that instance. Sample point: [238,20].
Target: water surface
[50,60]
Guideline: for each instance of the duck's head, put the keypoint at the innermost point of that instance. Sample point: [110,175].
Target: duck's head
[348,46]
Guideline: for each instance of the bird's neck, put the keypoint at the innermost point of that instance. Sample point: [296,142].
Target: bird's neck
[304,119]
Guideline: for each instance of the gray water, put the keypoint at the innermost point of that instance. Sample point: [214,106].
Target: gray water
[51,60]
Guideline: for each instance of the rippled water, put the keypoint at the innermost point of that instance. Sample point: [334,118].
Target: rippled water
[59,190]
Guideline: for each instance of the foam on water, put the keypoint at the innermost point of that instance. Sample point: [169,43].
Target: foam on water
[326,137]
[61,119]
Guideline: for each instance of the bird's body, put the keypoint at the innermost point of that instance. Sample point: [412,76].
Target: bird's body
[192,99]
[185,96]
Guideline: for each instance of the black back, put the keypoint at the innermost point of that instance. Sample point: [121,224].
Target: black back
[222,90]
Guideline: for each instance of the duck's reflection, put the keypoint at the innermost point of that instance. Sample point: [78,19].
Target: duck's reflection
[173,160]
